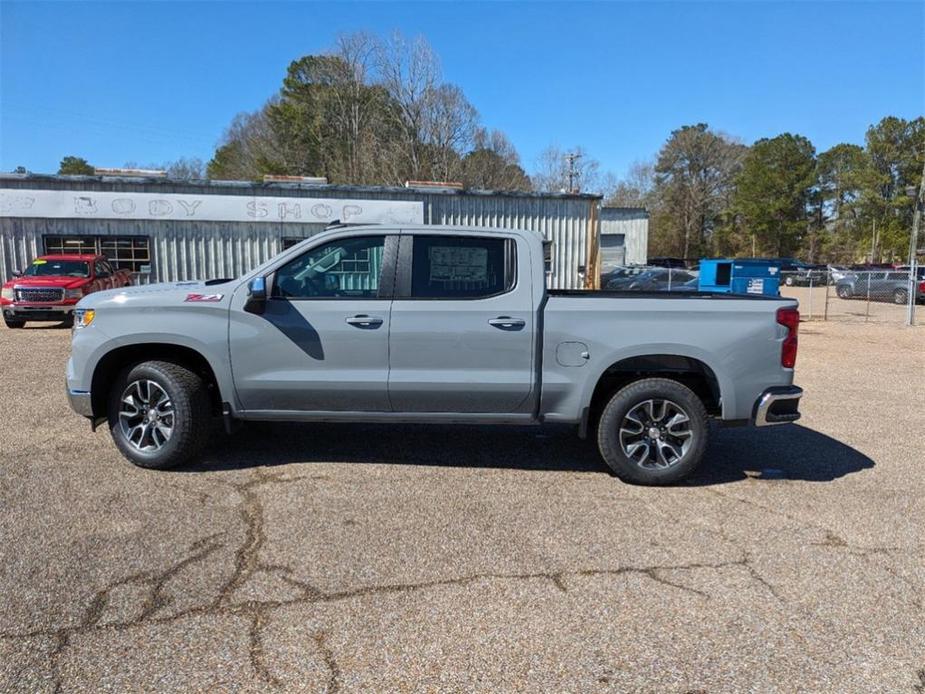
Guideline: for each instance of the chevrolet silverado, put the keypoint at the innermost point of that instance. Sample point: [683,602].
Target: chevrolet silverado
[431,324]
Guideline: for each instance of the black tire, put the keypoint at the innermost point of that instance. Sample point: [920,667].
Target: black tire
[900,296]
[636,395]
[843,291]
[789,281]
[14,324]
[188,399]
[68,321]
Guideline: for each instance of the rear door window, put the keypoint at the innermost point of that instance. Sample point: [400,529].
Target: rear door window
[462,267]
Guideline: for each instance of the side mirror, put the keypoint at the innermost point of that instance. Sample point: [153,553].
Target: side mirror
[17,273]
[256,295]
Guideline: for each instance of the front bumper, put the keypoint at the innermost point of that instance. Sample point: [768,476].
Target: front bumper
[57,312]
[777,405]
[80,401]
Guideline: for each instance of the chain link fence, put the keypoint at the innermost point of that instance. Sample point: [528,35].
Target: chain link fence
[879,295]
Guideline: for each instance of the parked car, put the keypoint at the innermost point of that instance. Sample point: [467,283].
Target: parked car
[653,280]
[435,325]
[52,285]
[879,285]
[665,261]
[838,272]
[804,275]
[622,272]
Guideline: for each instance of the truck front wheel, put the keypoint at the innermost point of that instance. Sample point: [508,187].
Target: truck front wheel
[653,431]
[13,323]
[159,414]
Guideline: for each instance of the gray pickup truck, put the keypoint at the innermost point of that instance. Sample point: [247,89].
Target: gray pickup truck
[430,324]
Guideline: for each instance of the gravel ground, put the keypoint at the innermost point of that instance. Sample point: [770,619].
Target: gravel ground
[359,558]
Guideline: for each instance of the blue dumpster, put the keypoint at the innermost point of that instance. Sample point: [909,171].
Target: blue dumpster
[743,276]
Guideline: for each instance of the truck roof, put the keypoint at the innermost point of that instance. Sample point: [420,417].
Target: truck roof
[69,256]
[390,226]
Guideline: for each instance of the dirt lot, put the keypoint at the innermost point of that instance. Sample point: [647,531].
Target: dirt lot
[403,558]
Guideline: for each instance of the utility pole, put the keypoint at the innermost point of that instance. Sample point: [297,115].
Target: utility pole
[913,248]
[571,158]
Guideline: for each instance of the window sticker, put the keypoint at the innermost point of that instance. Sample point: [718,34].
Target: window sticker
[39,262]
[458,264]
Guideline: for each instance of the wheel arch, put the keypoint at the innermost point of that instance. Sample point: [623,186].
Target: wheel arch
[691,371]
[113,362]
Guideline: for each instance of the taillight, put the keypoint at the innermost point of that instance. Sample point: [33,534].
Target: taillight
[922,286]
[790,318]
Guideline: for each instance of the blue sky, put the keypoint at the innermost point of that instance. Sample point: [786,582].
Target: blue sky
[149,82]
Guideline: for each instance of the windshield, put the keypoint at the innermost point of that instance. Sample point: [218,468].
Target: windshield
[57,268]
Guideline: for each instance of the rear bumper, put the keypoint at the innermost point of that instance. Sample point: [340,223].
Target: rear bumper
[777,405]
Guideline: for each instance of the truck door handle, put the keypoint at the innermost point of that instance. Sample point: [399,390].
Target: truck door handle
[361,320]
[507,323]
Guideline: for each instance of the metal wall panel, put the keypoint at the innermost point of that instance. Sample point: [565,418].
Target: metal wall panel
[183,250]
[633,223]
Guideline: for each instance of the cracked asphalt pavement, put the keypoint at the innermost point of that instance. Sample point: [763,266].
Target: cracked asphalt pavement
[398,558]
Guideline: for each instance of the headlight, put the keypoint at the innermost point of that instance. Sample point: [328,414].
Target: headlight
[83,317]
[74,293]
[8,294]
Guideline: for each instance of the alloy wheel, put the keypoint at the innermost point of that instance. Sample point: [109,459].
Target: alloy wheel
[656,433]
[146,415]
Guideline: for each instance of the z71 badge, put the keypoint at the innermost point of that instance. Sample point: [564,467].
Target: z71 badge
[204,297]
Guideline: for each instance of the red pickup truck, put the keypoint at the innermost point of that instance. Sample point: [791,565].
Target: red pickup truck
[50,287]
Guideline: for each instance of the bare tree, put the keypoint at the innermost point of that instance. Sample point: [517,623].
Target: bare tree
[409,71]
[635,189]
[557,169]
[357,104]
[185,168]
[450,123]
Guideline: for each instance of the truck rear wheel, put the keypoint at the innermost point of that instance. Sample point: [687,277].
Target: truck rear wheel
[653,431]
[159,414]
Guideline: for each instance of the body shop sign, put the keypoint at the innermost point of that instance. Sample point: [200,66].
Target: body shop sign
[68,204]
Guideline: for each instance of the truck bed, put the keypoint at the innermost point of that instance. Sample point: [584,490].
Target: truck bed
[632,294]
[735,337]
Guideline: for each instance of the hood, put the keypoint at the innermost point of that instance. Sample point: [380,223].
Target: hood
[164,294]
[48,281]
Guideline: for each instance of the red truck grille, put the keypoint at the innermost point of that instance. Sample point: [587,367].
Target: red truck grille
[39,294]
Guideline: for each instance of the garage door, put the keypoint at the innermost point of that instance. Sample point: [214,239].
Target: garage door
[613,250]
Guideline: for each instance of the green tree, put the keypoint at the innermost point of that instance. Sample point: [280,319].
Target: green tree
[370,111]
[694,176]
[895,148]
[772,194]
[75,166]
[493,164]
[842,172]
[249,149]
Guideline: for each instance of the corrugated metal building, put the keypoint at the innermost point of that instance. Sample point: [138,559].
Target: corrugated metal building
[167,230]
[624,236]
